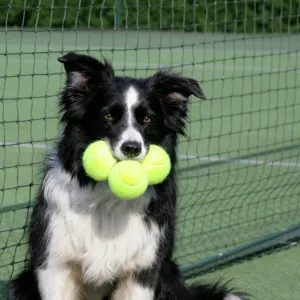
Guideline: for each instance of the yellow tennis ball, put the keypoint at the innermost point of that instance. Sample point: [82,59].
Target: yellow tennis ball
[98,160]
[157,164]
[128,179]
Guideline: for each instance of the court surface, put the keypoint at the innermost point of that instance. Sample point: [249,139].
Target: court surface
[271,277]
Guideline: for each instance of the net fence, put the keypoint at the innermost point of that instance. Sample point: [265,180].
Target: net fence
[240,164]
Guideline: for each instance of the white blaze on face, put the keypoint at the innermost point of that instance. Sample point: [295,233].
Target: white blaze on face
[131,100]
[130,133]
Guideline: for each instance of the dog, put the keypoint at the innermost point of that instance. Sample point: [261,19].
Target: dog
[84,242]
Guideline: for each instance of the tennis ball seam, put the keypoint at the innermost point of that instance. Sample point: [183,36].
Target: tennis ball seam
[130,185]
[96,155]
[156,166]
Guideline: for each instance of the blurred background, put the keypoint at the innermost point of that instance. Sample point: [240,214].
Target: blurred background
[239,167]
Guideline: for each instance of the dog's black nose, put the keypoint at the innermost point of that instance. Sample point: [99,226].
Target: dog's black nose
[131,149]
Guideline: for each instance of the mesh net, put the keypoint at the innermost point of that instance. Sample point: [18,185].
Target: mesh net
[239,167]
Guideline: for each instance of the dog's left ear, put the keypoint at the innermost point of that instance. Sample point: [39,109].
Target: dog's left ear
[173,92]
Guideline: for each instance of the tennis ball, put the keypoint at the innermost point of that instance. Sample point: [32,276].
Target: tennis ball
[98,160]
[157,164]
[128,179]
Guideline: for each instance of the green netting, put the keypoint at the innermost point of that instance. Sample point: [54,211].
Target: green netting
[240,165]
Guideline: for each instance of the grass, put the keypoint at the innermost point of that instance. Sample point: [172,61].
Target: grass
[251,121]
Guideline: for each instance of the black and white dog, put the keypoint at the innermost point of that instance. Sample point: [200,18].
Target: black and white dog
[84,242]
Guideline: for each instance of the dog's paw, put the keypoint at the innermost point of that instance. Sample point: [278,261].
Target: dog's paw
[232,297]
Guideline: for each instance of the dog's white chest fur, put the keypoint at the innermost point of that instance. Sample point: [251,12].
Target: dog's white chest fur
[104,236]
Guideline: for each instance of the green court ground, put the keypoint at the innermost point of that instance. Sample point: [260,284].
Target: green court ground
[271,277]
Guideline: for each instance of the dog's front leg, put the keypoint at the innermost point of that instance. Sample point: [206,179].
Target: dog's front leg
[57,283]
[136,286]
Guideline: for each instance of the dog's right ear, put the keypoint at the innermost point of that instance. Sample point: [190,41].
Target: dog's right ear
[85,76]
[83,71]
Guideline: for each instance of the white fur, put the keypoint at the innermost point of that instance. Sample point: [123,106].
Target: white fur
[130,133]
[91,228]
[130,290]
[232,297]
[57,283]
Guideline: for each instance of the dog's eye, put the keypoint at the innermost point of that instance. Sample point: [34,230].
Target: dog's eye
[108,117]
[147,119]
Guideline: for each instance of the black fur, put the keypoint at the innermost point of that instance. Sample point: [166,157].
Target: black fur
[91,90]
[24,287]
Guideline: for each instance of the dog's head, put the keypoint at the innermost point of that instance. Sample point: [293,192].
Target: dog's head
[128,113]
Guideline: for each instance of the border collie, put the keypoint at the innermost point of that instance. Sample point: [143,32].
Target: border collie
[84,242]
